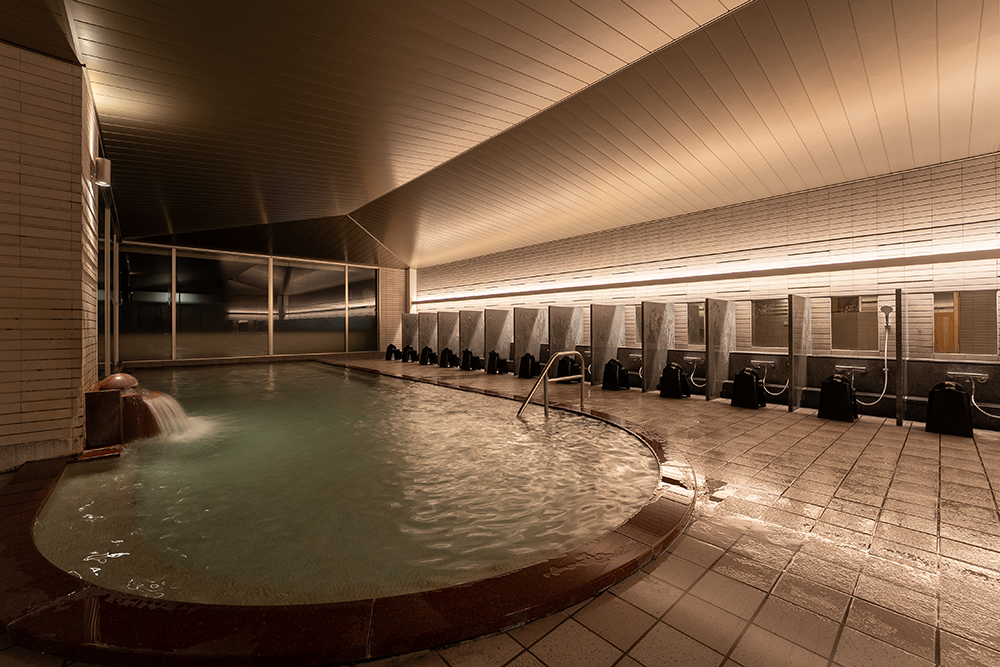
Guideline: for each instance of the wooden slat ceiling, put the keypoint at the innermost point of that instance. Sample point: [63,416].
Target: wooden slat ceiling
[780,96]
[448,129]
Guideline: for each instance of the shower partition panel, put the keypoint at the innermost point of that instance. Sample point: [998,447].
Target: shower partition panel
[720,341]
[638,326]
[411,330]
[902,354]
[658,338]
[447,327]
[799,347]
[607,334]
[498,332]
[428,331]
[531,331]
[565,330]
[471,332]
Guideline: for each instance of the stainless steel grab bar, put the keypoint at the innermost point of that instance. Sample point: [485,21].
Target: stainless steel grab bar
[544,378]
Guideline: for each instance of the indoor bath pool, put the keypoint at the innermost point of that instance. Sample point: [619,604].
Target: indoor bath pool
[305,483]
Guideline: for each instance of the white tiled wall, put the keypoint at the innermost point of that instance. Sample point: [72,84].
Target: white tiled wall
[48,257]
[946,208]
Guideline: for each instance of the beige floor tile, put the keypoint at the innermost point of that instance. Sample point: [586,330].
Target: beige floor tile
[675,571]
[901,631]
[529,633]
[747,570]
[859,650]
[664,646]
[960,652]
[760,648]
[811,631]
[526,659]
[823,572]
[897,598]
[716,628]
[650,594]
[810,595]
[492,651]
[615,620]
[573,645]
[696,551]
[733,596]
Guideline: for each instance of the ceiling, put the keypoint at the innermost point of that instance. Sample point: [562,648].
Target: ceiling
[414,133]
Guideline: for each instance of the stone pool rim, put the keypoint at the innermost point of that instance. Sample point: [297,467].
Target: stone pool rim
[44,608]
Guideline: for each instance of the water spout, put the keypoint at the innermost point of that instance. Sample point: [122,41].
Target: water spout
[168,413]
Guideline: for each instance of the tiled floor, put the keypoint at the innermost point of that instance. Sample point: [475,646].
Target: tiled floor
[814,543]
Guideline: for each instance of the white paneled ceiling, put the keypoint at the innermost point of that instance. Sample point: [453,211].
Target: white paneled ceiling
[427,131]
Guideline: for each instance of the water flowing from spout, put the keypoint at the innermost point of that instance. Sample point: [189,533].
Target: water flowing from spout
[169,414]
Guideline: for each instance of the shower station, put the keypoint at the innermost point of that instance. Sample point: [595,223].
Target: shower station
[890,366]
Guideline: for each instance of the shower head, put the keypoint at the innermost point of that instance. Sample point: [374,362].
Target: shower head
[886,310]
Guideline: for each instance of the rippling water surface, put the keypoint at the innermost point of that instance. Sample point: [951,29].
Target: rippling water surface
[302,483]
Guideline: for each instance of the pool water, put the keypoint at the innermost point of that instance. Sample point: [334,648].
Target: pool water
[304,483]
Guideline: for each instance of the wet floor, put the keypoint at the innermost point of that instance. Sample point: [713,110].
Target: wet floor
[813,543]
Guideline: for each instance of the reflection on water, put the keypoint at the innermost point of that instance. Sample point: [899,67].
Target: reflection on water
[291,477]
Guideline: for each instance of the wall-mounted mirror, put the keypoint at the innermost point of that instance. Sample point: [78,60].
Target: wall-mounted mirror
[854,322]
[769,324]
[696,323]
[965,322]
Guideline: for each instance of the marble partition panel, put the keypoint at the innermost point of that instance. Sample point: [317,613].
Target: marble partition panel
[531,331]
[448,332]
[607,334]
[428,331]
[658,338]
[638,326]
[565,328]
[498,332]
[720,341]
[799,347]
[471,332]
[411,331]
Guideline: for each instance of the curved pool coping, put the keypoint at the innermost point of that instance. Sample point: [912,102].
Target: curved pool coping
[46,609]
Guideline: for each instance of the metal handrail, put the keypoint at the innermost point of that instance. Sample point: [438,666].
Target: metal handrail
[544,378]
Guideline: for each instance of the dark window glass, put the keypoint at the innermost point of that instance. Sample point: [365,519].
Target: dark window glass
[221,307]
[144,315]
[309,308]
[362,286]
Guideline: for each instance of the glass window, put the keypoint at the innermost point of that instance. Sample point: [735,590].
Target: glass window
[965,322]
[309,308]
[854,322]
[144,315]
[362,287]
[769,325]
[221,306]
[696,323]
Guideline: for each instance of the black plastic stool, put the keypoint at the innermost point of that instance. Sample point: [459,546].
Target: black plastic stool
[748,392]
[673,382]
[837,399]
[949,410]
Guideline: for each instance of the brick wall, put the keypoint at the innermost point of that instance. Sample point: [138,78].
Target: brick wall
[48,259]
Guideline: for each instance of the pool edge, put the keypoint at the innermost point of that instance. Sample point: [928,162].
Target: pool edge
[46,609]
